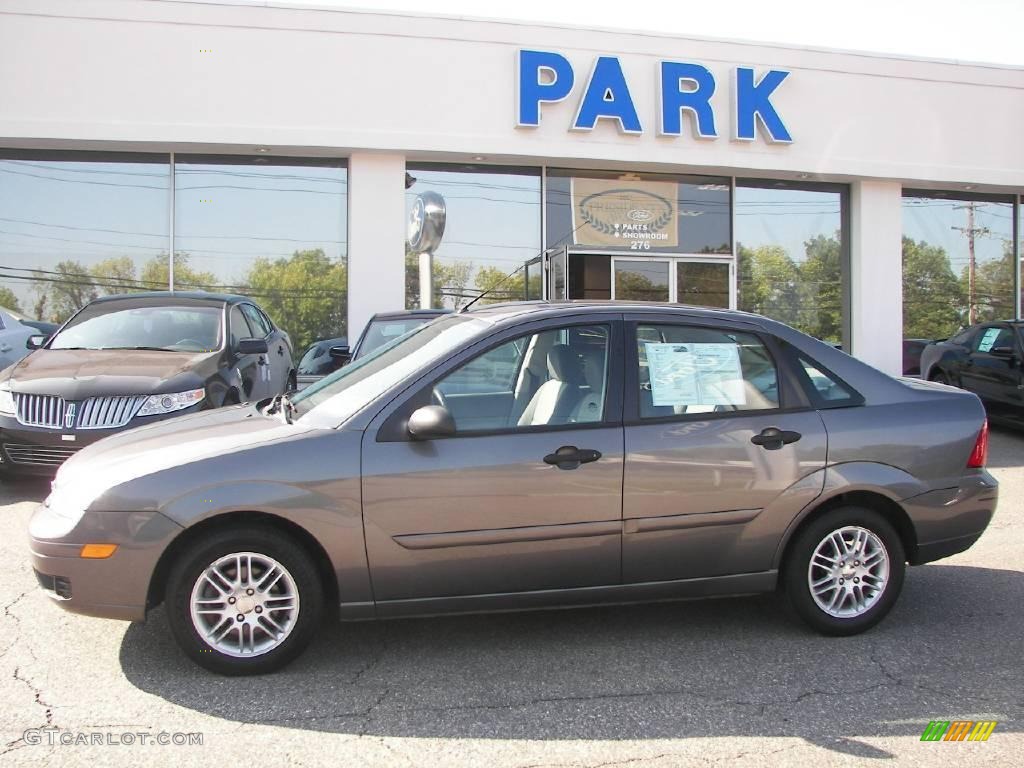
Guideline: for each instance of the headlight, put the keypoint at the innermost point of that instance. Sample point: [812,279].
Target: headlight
[7,407]
[56,517]
[157,405]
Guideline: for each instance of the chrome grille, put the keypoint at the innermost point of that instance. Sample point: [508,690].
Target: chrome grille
[40,410]
[40,455]
[108,412]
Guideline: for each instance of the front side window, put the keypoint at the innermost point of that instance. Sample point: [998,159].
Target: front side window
[257,322]
[993,337]
[239,326]
[550,378]
[690,369]
[382,332]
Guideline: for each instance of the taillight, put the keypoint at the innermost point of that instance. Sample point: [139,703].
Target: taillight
[980,453]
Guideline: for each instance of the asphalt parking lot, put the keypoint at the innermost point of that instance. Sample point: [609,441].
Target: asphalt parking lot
[714,682]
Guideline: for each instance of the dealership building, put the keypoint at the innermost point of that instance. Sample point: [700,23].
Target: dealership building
[334,164]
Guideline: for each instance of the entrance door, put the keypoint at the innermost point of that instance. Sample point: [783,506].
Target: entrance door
[636,279]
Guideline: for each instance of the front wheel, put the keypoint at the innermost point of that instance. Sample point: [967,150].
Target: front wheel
[844,571]
[939,378]
[244,601]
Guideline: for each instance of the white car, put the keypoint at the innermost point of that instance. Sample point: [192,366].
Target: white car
[13,338]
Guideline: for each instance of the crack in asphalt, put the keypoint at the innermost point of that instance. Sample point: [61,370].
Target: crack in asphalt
[8,614]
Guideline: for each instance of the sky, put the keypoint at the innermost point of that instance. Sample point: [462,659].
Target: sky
[967,30]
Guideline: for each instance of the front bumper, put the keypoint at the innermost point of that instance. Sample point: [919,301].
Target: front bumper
[41,450]
[116,587]
[949,521]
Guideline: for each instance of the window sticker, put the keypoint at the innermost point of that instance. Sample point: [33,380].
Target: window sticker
[988,339]
[695,374]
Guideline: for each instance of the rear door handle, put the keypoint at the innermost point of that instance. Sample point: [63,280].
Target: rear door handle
[773,438]
[570,457]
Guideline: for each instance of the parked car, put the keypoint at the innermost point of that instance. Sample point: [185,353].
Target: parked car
[632,452]
[318,361]
[385,327]
[134,359]
[984,359]
[13,338]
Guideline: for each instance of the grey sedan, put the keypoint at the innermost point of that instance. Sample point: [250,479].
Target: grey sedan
[523,456]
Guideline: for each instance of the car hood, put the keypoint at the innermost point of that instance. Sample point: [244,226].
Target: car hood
[136,453]
[75,374]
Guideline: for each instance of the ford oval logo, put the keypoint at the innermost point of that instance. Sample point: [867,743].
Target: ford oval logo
[640,214]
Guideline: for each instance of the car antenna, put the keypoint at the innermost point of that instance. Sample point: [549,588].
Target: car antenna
[513,273]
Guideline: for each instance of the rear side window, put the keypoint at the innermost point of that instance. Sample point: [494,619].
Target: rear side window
[824,385]
[690,369]
[993,337]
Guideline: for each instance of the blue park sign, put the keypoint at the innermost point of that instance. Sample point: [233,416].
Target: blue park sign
[546,77]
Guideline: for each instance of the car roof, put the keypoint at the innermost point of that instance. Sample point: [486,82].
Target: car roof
[502,312]
[213,298]
[400,313]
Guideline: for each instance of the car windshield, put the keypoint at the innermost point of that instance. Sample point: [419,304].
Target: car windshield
[133,325]
[337,397]
[382,331]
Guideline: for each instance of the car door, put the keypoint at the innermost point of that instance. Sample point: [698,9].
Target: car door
[992,370]
[13,337]
[527,492]
[278,359]
[718,440]
[252,370]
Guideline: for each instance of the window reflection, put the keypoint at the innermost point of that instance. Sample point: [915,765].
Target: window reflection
[272,230]
[73,229]
[492,229]
[958,263]
[789,249]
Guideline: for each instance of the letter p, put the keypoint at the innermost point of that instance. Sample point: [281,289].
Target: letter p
[531,91]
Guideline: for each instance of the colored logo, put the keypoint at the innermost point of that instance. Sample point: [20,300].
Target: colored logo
[958,730]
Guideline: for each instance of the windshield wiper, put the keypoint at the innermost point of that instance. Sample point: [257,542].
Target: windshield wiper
[147,349]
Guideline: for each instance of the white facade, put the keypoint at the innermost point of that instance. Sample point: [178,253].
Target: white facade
[383,90]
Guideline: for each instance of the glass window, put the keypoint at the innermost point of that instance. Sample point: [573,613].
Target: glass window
[382,331]
[610,210]
[826,386]
[687,370]
[958,262]
[990,338]
[270,228]
[139,324]
[701,284]
[77,225]
[789,253]
[491,229]
[638,280]
[240,328]
[550,378]
[257,323]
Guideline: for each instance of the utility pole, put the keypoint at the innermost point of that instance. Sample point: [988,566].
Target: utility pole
[972,232]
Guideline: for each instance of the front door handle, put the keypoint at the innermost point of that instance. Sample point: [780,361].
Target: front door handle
[773,438]
[570,457]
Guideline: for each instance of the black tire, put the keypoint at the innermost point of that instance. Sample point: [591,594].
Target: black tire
[194,560]
[939,377]
[231,398]
[293,383]
[795,581]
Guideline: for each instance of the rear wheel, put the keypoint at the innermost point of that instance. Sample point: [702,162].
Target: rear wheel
[244,601]
[844,571]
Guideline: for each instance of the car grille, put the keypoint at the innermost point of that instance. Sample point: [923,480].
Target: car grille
[40,410]
[39,455]
[93,413]
[106,412]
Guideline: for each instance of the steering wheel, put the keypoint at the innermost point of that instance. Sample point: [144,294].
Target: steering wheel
[438,398]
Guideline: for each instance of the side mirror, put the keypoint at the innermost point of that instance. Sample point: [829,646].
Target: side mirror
[342,352]
[35,342]
[252,347]
[430,422]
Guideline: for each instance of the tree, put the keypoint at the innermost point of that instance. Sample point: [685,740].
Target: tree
[116,275]
[820,289]
[8,300]
[993,287]
[65,291]
[933,299]
[501,287]
[156,275]
[305,292]
[769,283]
